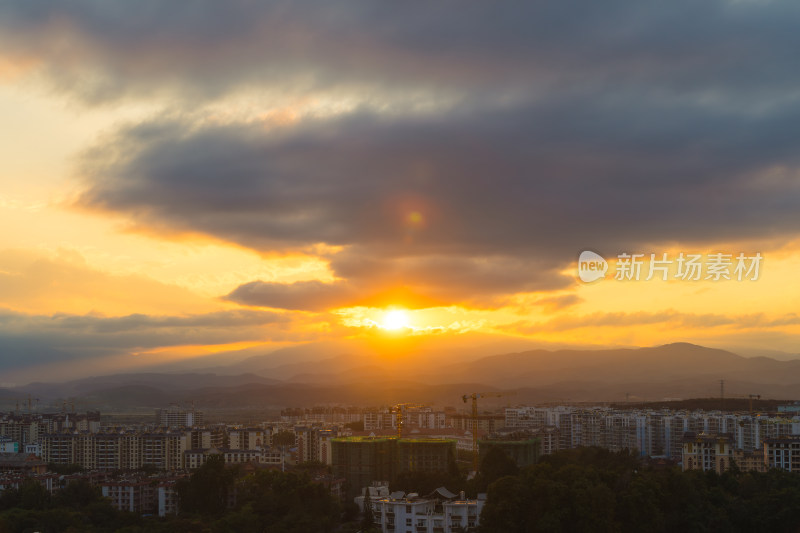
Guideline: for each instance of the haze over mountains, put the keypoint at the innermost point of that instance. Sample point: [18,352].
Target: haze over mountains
[671,371]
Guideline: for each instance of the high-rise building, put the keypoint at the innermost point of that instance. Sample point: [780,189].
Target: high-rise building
[177,417]
[707,452]
[783,453]
[112,451]
[247,439]
[425,454]
[361,460]
[524,450]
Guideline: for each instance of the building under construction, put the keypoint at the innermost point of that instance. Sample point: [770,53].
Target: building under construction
[522,449]
[425,454]
[362,460]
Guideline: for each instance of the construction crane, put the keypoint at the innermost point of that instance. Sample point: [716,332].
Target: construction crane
[474,396]
[400,409]
[30,403]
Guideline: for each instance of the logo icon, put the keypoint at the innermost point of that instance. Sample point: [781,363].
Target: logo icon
[591,266]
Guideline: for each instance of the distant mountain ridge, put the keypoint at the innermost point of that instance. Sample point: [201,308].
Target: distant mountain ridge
[674,370]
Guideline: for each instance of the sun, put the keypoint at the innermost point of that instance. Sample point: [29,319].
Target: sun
[396,319]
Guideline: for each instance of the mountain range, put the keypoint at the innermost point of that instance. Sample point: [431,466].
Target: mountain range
[305,378]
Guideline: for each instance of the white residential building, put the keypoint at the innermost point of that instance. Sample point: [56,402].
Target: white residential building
[441,512]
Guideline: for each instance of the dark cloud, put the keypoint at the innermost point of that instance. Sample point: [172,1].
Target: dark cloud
[103,51]
[414,282]
[301,295]
[470,201]
[476,149]
[549,176]
[27,340]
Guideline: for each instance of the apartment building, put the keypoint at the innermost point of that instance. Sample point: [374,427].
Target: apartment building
[112,451]
[313,444]
[167,498]
[322,415]
[440,512]
[650,432]
[135,495]
[783,453]
[178,417]
[751,461]
[414,417]
[706,452]
[27,428]
[196,458]
[487,423]
[248,439]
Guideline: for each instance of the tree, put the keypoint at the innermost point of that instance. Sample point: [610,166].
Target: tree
[368,520]
[283,439]
[424,482]
[289,502]
[206,491]
[77,494]
[495,464]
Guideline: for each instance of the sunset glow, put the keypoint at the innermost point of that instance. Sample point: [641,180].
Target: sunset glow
[396,319]
[202,196]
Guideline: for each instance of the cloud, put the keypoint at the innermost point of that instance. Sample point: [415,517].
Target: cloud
[557,303]
[464,201]
[413,282]
[450,159]
[27,339]
[671,318]
[37,282]
[102,52]
[301,295]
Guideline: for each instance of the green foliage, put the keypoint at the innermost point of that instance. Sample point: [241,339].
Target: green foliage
[206,491]
[591,489]
[424,483]
[495,465]
[313,467]
[287,502]
[79,507]
[78,494]
[283,438]
[368,517]
[267,502]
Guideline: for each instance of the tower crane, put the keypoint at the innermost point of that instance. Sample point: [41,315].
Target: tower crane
[400,410]
[474,396]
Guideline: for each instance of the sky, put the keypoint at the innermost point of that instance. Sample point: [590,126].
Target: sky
[198,180]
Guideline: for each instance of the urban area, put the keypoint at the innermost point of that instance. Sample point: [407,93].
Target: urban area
[362,457]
